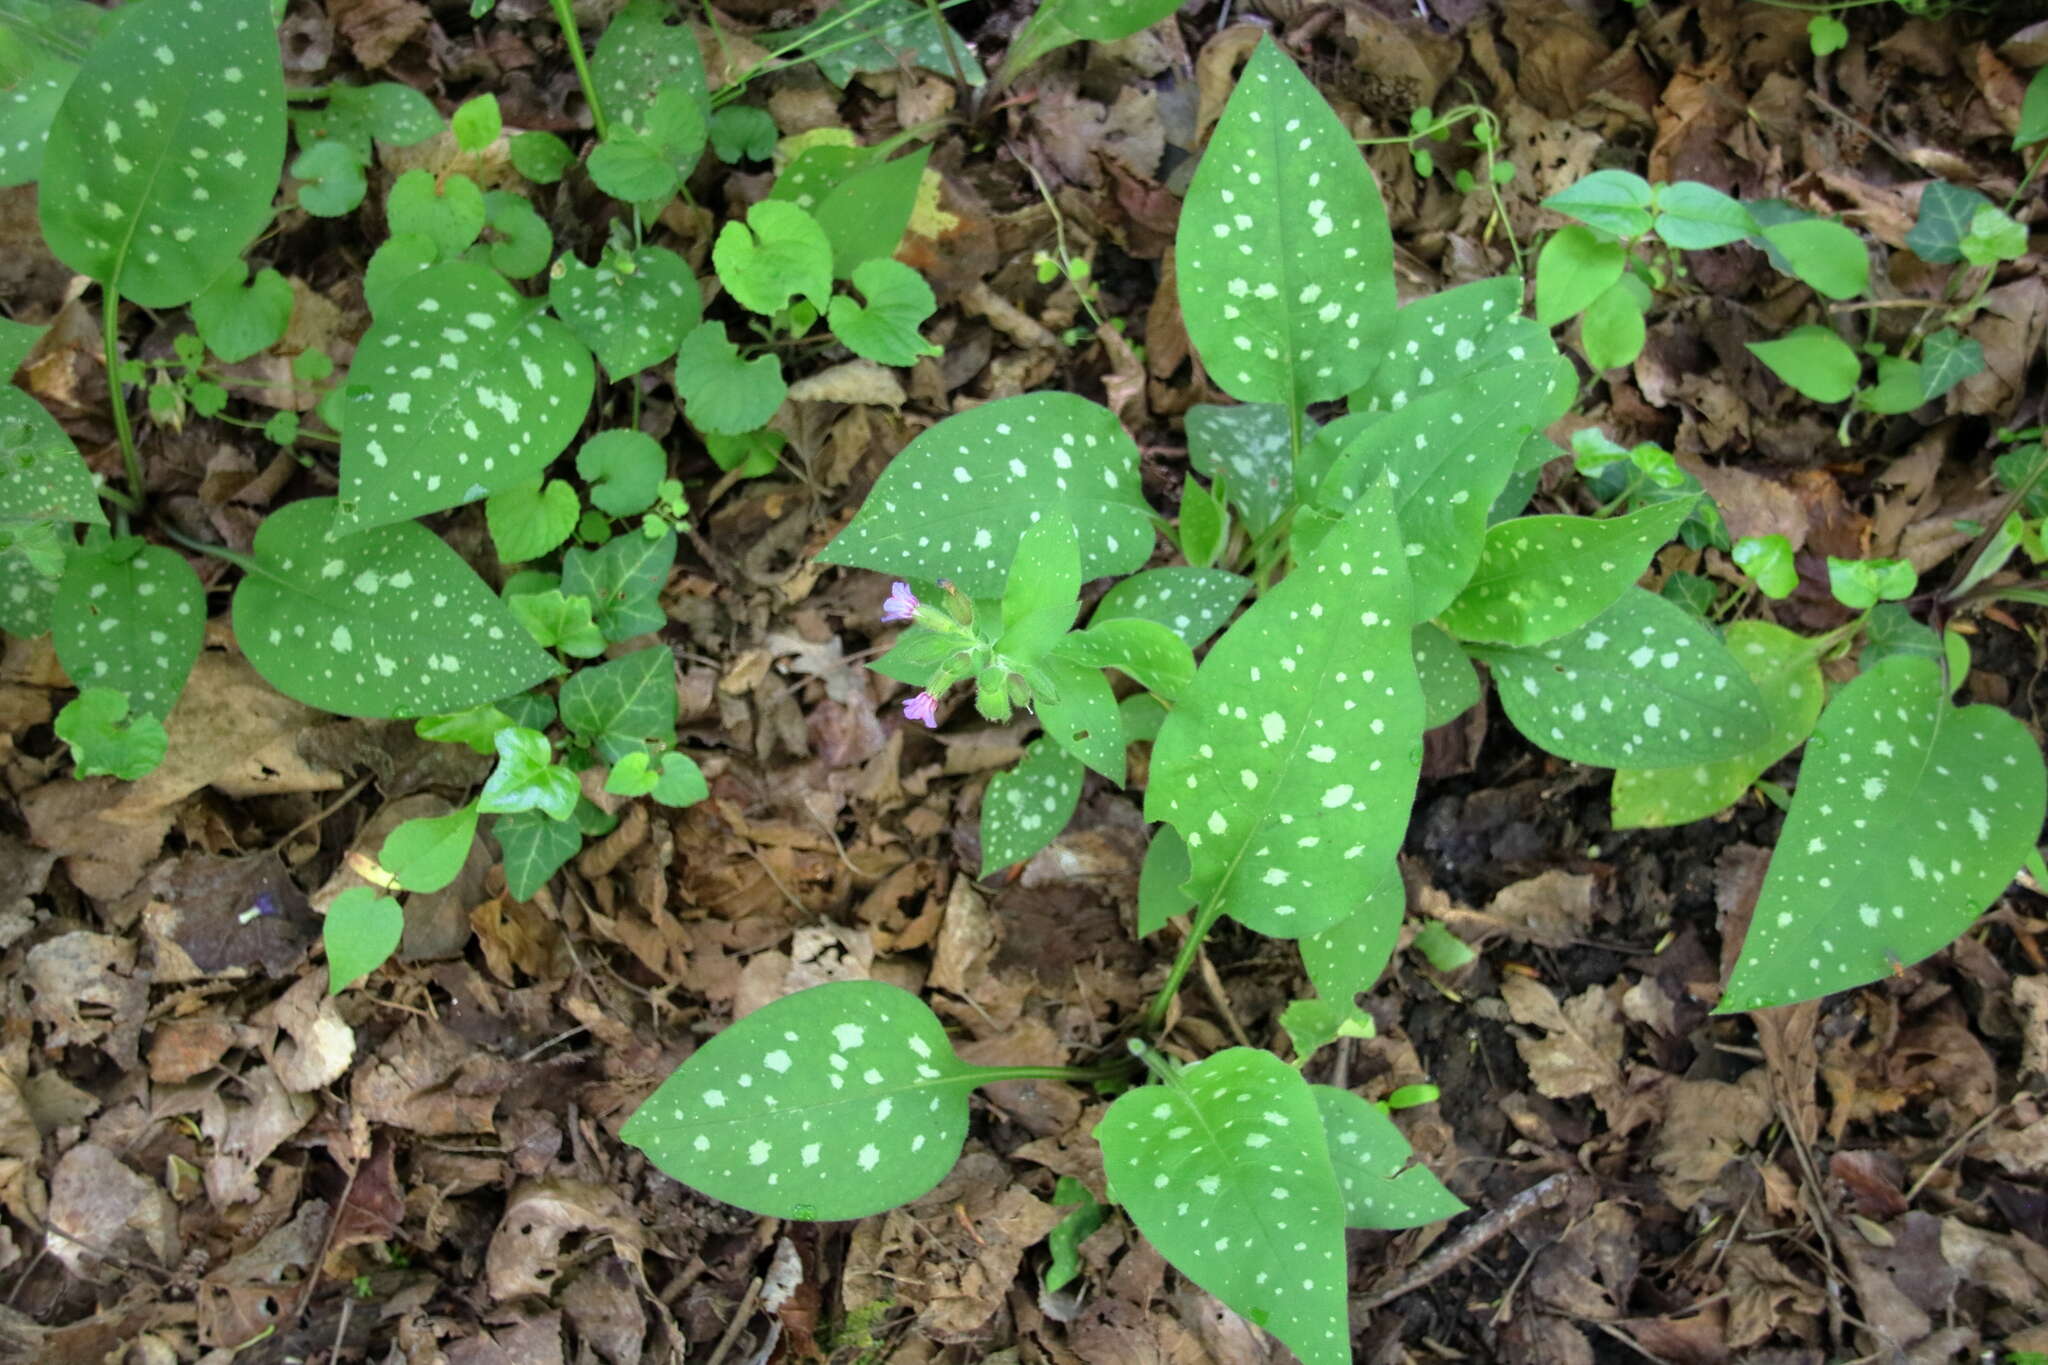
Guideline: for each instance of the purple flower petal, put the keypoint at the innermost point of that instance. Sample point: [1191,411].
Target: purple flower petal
[924,707]
[902,603]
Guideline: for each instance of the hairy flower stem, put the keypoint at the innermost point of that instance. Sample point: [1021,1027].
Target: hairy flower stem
[1183,963]
[566,18]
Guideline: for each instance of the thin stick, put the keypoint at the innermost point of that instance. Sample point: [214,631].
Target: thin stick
[739,1320]
[1544,1194]
[326,1243]
[1913,1192]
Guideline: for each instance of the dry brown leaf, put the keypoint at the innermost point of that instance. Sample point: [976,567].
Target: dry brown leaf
[1764,1295]
[854,381]
[525,1250]
[376,29]
[81,971]
[102,1213]
[1580,1052]
[1707,1125]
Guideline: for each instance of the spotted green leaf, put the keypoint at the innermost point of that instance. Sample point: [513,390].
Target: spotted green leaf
[885,36]
[1140,649]
[383,622]
[1285,261]
[632,311]
[1160,878]
[1294,754]
[884,328]
[107,739]
[645,53]
[1644,685]
[40,48]
[1346,959]
[130,617]
[1027,806]
[615,706]
[623,579]
[1312,1025]
[361,933]
[1227,1172]
[1447,455]
[724,395]
[1084,719]
[1372,1160]
[460,388]
[542,158]
[836,1102]
[1192,603]
[1249,445]
[1786,671]
[956,500]
[1441,339]
[534,848]
[425,853]
[42,475]
[1542,577]
[166,151]
[1910,817]
[1450,686]
[237,319]
[778,254]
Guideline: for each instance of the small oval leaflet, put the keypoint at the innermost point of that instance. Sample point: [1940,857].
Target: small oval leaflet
[835,1102]
[962,494]
[1227,1172]
[384,622]
[1644,685]
[460,388]
[167,148]
[1911,815]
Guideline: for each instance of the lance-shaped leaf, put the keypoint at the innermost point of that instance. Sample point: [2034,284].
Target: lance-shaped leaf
[1290,763]
[1192,603]
[955,501]
[1226,1171]
[1541,577]
[1441,339]
[39,56]
[1250,447]
[836,1102]
[1346,959]
[1786,670]
[42,475]
[1285,261]
[1027,806]
[1372,1159]
[384,622]
[1447,456]
[1645,685]
[632,318]
[130,617]
[1911,815]
[1084,718]
[1144,650]
[459,389]
[166,151]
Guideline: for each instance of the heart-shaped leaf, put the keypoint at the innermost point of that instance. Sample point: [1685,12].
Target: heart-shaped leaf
[722,394]
[1372,1160]
[1027,806]
[780,253]
[1192,603]
[956,500]
[1290,763]
[1541,577]
[1911,815]
[130,617]
[1285,261]
[623,470]
[1786,671]
[836,1102]
[631,311]
[459,389]
[384,622]
[532,519]
[1226,1171]
[884,329]
[448,211]
[166,151]
[237,320]
[1644,685]
[361,933]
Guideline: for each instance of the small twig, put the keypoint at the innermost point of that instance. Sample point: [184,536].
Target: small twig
[1913,1191]
[320,816]
[1543,1194]
[739,1320]
[326,1244]
[348,1308]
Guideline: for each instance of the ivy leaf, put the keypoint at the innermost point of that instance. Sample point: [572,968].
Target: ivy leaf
[1947,358]
[623,581]
[426,853]
[623,470]
[1226,1171]
[384,622]
[614,706]
[1541,577]
[535,847]
[724,395]
[1300,736]
[1946,212]
[1250,444]
[780,253]
[1192,603]
[361,933]
[1644,685]
[1372,1160]
[130,617]
[1786,671]
[105,738]
[449,212]
[1911,815]
[529,520]
[836,1102]
[167,149]
[884,329]
[1285,285]
[957,499]
[558,621]
[631,310]
[1027,806]
[527,777]
[460,388]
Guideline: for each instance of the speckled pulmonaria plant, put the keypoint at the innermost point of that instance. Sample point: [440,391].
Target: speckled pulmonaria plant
[1383,551]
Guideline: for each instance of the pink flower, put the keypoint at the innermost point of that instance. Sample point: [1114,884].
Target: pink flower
[902,603]
[923,707]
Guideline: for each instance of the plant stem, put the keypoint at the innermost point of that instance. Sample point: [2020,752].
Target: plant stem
[1078,1075]
[1190,949]
[2028,179]
[565,17]
[110,320]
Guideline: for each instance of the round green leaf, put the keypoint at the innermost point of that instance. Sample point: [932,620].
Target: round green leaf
[542,158]
[722,394]
[1768,562]
[1910,816]
[384,622]
[740,132]
[623,470]
[884,329]
[447,212]
[780,253]
[130,617]
[836,1102]
[459,389]
[166,151]
[631,312]
[633,168]
[1226,1171]
[332,179]
[524,242]
[236,321]
[361,933]
[1813,360]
